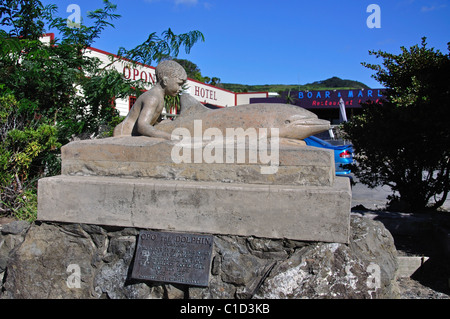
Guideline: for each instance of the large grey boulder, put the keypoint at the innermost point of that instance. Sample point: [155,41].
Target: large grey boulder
[363,269]
[44,260]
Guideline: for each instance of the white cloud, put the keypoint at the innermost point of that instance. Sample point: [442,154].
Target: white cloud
[177,2]
[206,5]
[186,2]
[432,8]
[426,9]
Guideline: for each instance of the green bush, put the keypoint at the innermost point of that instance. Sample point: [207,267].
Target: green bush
[28,150]
[404,141]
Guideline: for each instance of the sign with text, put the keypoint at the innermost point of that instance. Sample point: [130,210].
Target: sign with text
[179,258]
[331,98]
[326,99]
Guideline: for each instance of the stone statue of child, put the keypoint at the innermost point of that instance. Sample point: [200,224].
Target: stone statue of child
[170,77]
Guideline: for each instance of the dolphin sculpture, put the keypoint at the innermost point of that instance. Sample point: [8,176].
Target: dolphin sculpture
[293,122]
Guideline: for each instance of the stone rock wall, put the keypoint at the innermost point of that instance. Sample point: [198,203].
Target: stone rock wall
[55,260]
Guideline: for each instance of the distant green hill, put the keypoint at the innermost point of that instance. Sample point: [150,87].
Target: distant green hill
[331,83]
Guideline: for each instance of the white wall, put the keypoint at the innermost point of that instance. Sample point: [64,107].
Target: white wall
[244,98]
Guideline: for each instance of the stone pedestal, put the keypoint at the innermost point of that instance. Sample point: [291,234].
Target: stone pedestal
[145,157]
[133,182]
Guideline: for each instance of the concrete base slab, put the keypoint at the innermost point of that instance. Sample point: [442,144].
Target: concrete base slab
[310,213]
[144,157]
[408,265]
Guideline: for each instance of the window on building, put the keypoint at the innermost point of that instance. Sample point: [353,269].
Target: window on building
[131,101]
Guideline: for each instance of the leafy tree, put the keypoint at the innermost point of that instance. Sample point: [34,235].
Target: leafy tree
[50,93]
[193,72]
[214,81]
[289,98]
[156,49]
[404,141]
[25,18]
[53,75]
[335,82]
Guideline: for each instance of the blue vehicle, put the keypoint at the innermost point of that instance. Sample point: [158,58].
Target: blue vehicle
[343,154]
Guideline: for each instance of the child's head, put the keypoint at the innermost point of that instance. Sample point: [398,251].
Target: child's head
[170,69]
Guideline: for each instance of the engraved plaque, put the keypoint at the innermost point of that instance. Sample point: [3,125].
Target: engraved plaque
[173,258]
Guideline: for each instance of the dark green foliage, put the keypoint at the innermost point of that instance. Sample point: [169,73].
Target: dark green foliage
[28,150]
[83,36]
[53,75]
[331,83]
[336,82]
[193,72]
[404,142]
[25,18]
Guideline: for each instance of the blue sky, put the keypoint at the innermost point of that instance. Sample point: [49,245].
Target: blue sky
[278,42]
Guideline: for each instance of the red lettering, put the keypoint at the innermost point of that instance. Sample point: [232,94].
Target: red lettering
[135,73]
[319,103]
[129,72]
[151,78]
[205,93]
[143,73]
